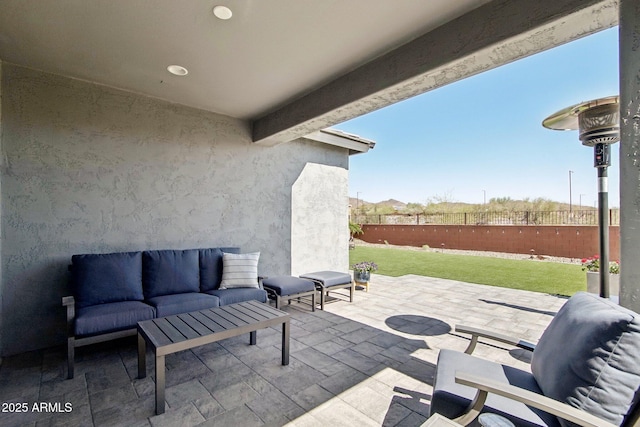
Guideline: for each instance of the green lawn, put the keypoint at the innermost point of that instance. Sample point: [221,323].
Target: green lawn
[547,277]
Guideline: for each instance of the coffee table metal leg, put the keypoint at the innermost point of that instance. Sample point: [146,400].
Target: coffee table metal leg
[285,342]
[160,385]
[142,356]
[253,338]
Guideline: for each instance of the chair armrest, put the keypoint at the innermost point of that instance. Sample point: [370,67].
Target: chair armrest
[70,303]
[476,333]
[554,407]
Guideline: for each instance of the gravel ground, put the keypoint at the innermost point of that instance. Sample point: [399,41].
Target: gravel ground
[541,258]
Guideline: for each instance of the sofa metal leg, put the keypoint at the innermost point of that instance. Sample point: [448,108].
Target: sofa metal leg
[70,357]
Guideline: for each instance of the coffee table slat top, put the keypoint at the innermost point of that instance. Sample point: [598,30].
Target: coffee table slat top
[237,319]
[206,322]
[216,317]
[185,329]
[198,327]
[157,337]
[168,329]
[251,313]
[246,315]
[169,334]
[266,308]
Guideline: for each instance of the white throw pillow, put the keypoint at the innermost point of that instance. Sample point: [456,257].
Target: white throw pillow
[239,270]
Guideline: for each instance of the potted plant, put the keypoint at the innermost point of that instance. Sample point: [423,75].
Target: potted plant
[592,266]
[362,271]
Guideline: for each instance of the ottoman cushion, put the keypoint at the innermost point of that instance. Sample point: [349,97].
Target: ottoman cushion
[329,278]
[288,285]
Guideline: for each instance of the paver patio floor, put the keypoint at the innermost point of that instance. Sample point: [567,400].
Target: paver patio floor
[367,363]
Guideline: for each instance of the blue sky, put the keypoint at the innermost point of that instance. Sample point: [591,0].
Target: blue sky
[483,135]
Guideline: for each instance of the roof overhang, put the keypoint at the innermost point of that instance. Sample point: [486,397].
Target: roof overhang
[354,143]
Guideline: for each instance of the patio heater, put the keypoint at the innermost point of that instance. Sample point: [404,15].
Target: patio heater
[598,122]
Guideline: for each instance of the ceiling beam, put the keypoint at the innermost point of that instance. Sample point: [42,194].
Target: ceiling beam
[494,34]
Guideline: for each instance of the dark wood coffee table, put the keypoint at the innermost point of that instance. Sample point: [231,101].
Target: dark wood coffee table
[171,334]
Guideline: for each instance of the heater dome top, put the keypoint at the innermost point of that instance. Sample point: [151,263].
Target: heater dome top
[597,120]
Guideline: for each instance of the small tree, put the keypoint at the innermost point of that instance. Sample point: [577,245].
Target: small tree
[354,229]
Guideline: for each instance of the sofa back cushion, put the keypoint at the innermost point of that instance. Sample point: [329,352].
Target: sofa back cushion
[211,267]
[589,357]
[104,278]
[168,272]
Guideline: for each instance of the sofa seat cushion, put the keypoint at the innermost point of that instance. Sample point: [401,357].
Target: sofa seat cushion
[589,357]
[168,272]
[232,296]
[211,267]
[111,317]
[166,305]
[451,399]
[106,278]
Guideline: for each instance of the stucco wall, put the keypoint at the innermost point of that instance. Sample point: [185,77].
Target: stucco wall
[94,169]
[319,203]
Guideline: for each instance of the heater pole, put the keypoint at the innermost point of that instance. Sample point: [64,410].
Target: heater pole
[599,124]
[603,221]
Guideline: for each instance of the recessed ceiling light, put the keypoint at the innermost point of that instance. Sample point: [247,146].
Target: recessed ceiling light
[222,12]
[177,70]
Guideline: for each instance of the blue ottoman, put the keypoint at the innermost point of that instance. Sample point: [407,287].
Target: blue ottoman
[330,280]
[289,287]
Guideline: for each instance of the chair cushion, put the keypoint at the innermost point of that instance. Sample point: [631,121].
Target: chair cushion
[451,399]
[328,278]
[105,278]
[288,285]
[211,267]
[111,317]
[232,296]
[239,270]
[166,305]
[168,272]
[589,357]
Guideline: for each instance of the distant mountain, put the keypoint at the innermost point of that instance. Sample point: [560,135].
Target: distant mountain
[397,204]
[391,202]
[500,205]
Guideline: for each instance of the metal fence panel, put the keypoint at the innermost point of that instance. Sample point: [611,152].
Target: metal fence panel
[579,217]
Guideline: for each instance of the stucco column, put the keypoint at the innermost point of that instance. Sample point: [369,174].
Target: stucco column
[629,154]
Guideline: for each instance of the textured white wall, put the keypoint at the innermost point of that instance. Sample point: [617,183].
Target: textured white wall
[319,220]
[94,169]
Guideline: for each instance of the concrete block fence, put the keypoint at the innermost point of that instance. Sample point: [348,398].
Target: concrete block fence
[561,241]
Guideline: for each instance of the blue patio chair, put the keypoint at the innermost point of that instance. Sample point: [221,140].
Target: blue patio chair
[585,370]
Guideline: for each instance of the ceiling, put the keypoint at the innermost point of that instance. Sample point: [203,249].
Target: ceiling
[263,63]
[268,53]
